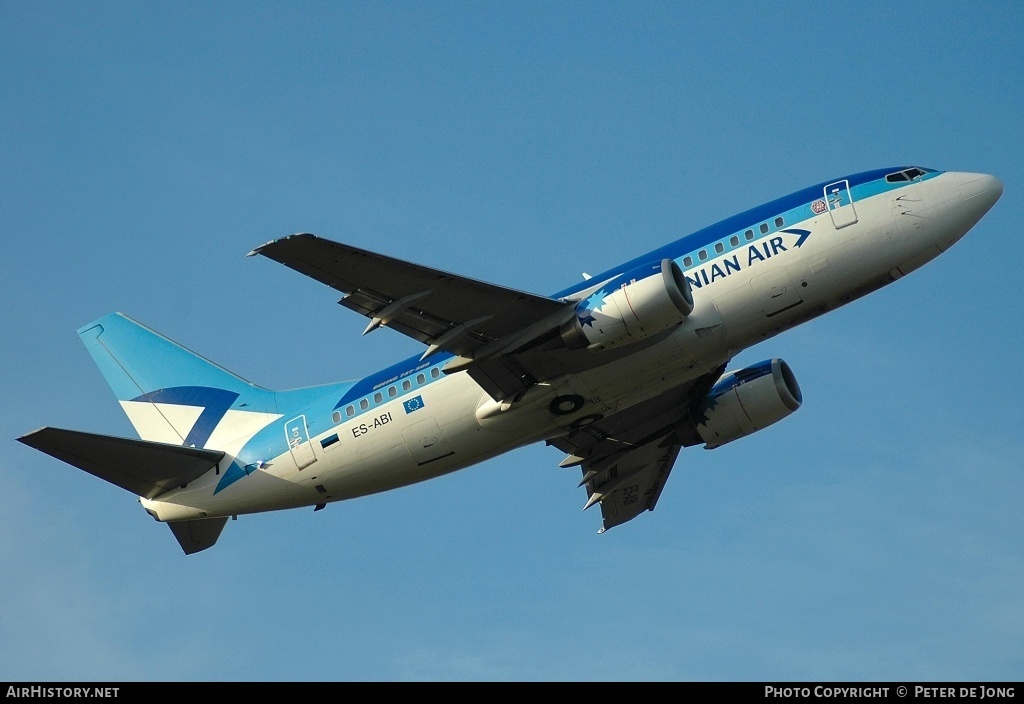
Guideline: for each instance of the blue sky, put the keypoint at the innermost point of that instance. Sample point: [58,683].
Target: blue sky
[876,534]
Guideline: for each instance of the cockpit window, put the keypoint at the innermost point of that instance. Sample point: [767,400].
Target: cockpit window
[905,175]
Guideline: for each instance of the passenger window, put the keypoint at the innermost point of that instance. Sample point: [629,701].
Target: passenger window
[702,255]
[377,398]
[435,372]
[734,240]
[364,404]
[350,411]
[392,392]
[764,228]
[420,379]
[687,261]
[749,234]
[779,222]
[406,385]
[719,247]
[336,416]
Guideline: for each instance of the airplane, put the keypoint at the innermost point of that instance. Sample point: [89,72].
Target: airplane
[619,371]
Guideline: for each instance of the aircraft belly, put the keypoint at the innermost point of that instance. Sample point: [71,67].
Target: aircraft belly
[260,492]
[576,400]
[625,383]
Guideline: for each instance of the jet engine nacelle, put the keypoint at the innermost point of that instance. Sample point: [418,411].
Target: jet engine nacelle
[743,402]
[650,299]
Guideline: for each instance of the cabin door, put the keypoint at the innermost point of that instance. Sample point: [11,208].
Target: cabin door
[840,204]
[297,434]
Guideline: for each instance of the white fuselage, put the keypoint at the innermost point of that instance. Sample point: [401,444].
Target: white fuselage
[752,290]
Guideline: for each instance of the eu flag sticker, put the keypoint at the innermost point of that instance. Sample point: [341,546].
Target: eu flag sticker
[413,404]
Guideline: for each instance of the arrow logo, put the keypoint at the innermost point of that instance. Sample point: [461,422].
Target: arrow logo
[802,234]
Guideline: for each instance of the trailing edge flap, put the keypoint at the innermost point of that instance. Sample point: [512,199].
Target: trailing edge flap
[632,484]
[144,468]
[197,534]
[447,311]
[626,457]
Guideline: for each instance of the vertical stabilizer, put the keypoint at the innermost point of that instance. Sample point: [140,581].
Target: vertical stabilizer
[169,393]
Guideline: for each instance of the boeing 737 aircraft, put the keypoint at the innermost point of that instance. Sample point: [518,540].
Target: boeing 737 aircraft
[619,371]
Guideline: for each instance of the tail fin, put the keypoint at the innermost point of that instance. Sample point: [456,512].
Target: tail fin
[169,393]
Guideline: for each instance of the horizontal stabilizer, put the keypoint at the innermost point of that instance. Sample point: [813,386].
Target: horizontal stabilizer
[197,534]
[144,468]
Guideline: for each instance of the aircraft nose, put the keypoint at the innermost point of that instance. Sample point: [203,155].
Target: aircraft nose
[979,192]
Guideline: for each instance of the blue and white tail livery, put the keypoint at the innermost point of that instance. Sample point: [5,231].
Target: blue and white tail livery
[172,395]
[619,371]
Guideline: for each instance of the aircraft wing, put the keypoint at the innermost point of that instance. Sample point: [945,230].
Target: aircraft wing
[506,340]
[445,311]
[626,458]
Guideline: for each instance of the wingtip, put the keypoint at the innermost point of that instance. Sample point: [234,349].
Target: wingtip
[24,439]
[259,250]
[32,438]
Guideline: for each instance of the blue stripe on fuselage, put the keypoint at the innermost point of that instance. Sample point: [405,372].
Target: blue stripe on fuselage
[391,375]
[794,208]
